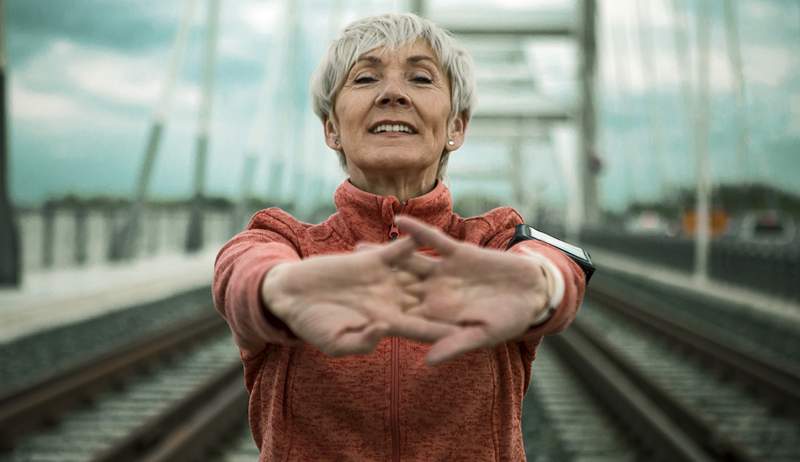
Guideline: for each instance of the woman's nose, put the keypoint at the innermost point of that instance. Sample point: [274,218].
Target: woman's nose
[392,95]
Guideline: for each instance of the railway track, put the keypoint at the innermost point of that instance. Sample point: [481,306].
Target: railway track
[681,393]
[167,397]
[578,426]
[623,383]
[776,339]
[36,357]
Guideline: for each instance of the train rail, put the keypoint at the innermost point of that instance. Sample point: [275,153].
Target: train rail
[680,391]
[573,424]
[152,400]
[625,382]
[36,357]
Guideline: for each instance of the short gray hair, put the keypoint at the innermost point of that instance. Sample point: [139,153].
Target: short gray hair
[393,31]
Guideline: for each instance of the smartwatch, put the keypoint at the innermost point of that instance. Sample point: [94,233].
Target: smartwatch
[578,255]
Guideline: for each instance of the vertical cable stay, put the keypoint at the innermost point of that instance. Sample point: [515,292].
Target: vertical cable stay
[331,169]
[649,78]
[164,102]
[277,159]
[735,58]
[123,239]
[684,64]
[620,84]
[703,174]
[587,203]
[265,103]
[637,159]
[194,232]
[623,67]
[292,146]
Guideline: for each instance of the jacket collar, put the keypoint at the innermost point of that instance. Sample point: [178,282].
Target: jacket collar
[363,216]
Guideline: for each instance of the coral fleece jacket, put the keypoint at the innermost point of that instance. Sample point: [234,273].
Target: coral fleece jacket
[387,405]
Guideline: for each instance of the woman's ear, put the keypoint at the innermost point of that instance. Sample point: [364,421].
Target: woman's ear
[457,129]
[332,135]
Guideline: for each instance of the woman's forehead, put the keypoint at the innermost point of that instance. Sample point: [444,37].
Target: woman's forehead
[413,52]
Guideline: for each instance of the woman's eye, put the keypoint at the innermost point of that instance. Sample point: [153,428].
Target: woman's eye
[422,79]
[364,79]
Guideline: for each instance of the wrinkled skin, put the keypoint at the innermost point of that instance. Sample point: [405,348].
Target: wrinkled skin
[468,298]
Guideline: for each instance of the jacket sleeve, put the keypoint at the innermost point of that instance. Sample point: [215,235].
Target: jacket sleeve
[574,289]
[574,279]
[239,269]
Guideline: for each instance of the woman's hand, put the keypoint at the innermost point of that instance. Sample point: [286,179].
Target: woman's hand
[492,296]
[344,304]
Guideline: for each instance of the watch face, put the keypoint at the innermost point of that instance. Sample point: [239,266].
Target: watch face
[578,255]
[566,247]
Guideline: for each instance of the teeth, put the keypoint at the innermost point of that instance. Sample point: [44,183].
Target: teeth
[392,128]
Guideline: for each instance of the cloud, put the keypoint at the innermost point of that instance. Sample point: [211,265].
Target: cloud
[259,17]
[84,78]
[770,65]
[766,61]
[124,24]
[247,29]
[97,76]
[31,105]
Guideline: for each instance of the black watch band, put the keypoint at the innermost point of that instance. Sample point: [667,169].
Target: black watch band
[578,255]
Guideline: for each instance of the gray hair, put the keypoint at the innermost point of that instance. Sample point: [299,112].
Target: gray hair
[393,31]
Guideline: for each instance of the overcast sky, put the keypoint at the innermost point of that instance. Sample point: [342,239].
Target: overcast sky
[85,76]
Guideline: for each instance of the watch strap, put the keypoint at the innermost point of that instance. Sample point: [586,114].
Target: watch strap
[580,256]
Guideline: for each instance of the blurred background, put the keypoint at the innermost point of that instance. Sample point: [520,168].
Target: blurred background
[140,135]
[125,108]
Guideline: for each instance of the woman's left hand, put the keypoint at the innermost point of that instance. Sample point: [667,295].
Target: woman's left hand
[492,295]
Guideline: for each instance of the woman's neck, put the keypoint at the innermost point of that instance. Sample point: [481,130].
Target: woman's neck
[403,187]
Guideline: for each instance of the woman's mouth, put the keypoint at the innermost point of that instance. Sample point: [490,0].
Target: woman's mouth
[392,128]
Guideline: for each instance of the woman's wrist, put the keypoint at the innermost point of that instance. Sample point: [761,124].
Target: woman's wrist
[272,288]
[554,286]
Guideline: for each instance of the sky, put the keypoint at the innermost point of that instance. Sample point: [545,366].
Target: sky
[86,77]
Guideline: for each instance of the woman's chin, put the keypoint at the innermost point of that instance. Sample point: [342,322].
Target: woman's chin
[399,164]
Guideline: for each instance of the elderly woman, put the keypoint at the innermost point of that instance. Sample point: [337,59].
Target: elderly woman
[396,329]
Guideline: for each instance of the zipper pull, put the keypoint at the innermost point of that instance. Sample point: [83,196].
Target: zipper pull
[393,232]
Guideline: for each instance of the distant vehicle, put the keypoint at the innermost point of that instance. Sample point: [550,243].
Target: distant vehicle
[768,226]
[649,222]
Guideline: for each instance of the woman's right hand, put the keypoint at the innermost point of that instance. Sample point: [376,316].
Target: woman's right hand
[344,304]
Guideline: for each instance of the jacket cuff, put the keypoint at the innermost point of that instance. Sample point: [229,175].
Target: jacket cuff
[282,332]
[565,270]
[240,272]
[555,284]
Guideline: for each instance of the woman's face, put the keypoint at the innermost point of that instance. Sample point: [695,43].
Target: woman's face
[391,114]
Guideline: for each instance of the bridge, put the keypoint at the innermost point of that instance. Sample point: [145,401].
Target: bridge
[655,133]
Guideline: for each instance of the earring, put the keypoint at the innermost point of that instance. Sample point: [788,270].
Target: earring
[451,142]
[336,141]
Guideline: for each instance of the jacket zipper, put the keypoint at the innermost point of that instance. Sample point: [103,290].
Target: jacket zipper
[395,398]
[394,233]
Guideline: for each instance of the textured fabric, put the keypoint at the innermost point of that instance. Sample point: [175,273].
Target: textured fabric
[388,405]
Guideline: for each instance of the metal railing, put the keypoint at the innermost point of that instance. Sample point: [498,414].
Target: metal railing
[75,235]
[769,268]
